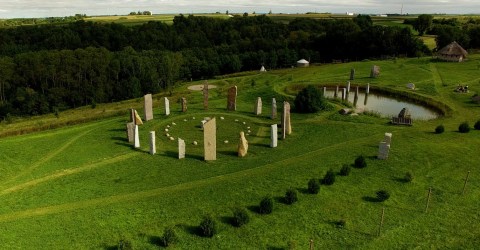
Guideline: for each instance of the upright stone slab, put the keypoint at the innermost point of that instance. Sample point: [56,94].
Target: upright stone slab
[286,126]
[136,143]
[274,136]
[274,109]
[383,150]
[153,147]
[357,91]
[388,138]
[242,145]
[348,87]
[184,104]
[131,131]
[367,91]
[205,95]
[167,106]
[138,120]
[232,99]
[181,149]
[210,140]
[324,91]
[336,92]
[148,107]
[132,115]
[375,71]
[344,94]
[352,74]
[257,110]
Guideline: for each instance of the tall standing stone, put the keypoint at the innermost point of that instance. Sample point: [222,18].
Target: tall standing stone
[274,109]
[136,143]
[274,136]
[210,140]
[375,71]
[132,115]
[355,98]
[258,106]
[348,87]
[232,99]
[286,125]
[344,94]
[167,106]
[148,107]
[181,148]
[138,120]
[130,131]
[383,150]
[153,147]
[336,92]
[242,145]
[184,104]
[388,138]
[367,91]
[324,91]
[205,95]
[352,74]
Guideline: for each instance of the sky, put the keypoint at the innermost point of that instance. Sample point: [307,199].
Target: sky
[45,8]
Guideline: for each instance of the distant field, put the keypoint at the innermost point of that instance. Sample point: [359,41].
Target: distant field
[139,19]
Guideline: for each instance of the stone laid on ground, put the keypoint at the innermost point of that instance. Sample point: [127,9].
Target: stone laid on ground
[148,107]
[153,148]
[195,143]
[210,140]
[242,145]
[184,104]
[130,131]
[375,72]
[286,125]
[138,120]
[258,106]
[205,95]
[136,142]
[388,138]
[345,111]
[167,106]
[383,150]
[274,109]
[181,149]
[232,99]
[411,86]
[352,74]
[273,136]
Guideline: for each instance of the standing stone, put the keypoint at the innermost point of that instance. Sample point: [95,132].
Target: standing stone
[132,115]
[138,120]
[274,136]
[348,87]
[286,125]
[153,147]
[344,94]
[181,149]
[242,145]
[274,109]
[388,138]
[232,99]
[357,91]
[366,100]
[136,143]
[368,89]
[352,74]
[375,71]
[130,131]
[148,107]
[355,98]
[205,95]
[324,91]
[336,92]
[184,104]
[210,140]
[167,106]
[258,106]
[383,150]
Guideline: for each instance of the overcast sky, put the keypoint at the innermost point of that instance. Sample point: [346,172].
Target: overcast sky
[45,8]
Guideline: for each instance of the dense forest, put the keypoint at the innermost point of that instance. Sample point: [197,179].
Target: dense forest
[44,68]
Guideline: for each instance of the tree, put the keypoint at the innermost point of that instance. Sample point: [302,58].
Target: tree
[313,186]
[208,226]
[169,237]
[329,178]
[310,100]
[266,205]
[423,23]
[240,217]
[291,196]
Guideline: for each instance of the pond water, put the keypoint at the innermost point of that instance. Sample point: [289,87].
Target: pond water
[385,105]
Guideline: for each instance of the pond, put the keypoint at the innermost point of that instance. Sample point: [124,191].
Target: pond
[386,106]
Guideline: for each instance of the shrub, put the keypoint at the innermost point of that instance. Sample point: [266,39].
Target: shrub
[408,177]
[477,125]
[341,223]
[266,205]
[464,127]
[124,245]
[310,100]
[439,129]
[329,178]
[240,217]
[208,226]
[291,196]
[169,237]
[345,171]
[360,162]
[382,195]
[313,186]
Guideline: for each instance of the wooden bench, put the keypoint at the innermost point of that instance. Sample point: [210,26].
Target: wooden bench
[402,121]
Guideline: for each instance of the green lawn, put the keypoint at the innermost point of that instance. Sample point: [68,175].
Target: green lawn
[85,187]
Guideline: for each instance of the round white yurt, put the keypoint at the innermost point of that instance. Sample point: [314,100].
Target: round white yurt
[302,63]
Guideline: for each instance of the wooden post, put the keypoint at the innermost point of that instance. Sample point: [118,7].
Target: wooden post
[311,244]
[465,184]
[428,199]
[381,221]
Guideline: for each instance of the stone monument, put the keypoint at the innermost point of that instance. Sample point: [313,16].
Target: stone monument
[388,138]
[136,143]
[336,92]
[383,150]
[181,149]
[153,147]
[274,109]
[367,91]
[258,106]
[274,136]
[232,99]
[205,95]
[348,87]
[130,131]
[132,115]
[184,104]
[375,72]
[210,140]
[242,145]
[352,74]
[286,125]
[148,107]
[167,106]
[138,120]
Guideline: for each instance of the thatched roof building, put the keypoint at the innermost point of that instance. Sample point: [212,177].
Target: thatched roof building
[452,53]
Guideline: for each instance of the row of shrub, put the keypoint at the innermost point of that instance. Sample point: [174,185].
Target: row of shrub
[464,127]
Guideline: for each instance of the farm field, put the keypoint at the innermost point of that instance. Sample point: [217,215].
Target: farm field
[84,186]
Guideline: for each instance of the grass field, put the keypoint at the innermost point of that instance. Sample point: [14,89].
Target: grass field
[85,187]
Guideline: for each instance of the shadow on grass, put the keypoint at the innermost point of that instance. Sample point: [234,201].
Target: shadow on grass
[228,153]
[261,145]
[117,130]
[193,230]
[370,199]
[371,157]
[401,180]
[254,209]
[276,248]
[118,138]
[111,247]
[281,199]
[125,144]
[156,240]
[303,190]
[227,220]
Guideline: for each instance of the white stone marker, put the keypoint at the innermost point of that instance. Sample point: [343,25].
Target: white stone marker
[383,150]
[153,148]
[368,89]
[258,106]
[137,138]
[274,136]
[181,149]
[348,87]
[167,106]
[388,138]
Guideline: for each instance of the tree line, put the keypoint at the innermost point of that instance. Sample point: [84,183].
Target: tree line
[44,68]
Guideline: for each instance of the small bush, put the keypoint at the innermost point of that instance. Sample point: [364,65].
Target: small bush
[291,196]
[345,171]
[382,195]
[329,178]
[360,162]
[313,186]
[169,237]
[124,245]
[477,125]
[310,100]
[439,129]
[208,226]
[240,217]
[266,205]
[341,223]
[408,177]
[464,127]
